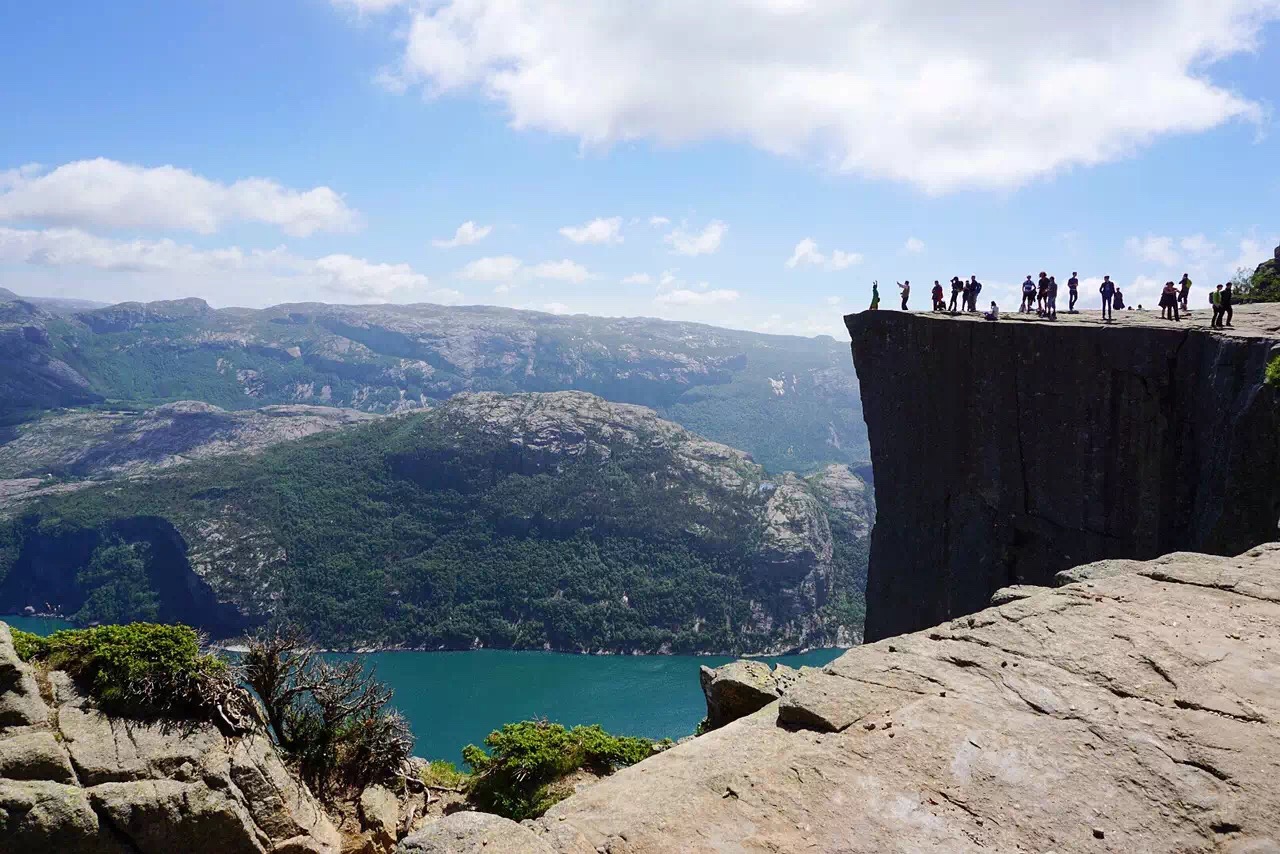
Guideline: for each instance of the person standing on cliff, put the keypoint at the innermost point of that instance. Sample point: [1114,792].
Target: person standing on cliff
[1108,291]
[1028,295]
[1042,291]
[1185,284]
[1073,284]
[1051,301]
[1228,297]
[875,296]
[975,288]
[1215,300]
[956,288]
[905,287]
[938,303]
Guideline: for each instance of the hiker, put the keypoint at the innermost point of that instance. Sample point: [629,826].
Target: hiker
[1215,300]
[1169,303]
[955,292]
[1073,285]
[1042,291]
[1185,284]
[994,314]
[1028,295]
[905,287]
[1108,291]
[1228,297]
[938,303]
[1118,300]
[975,288]
[1051,300]
[875,296]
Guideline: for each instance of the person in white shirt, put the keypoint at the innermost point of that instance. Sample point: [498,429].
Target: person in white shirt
[994,314]
[905,287]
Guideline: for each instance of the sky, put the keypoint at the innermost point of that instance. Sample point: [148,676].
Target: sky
[747,163]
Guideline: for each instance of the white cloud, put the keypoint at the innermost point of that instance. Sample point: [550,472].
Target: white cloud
[638,279]
[337,273]
[493,269]
[1199,247]
[833,300]
[369,7]
[923,91]
[1154,248]
[684,296]
[467,234]
[914,245]
[658,221]
[705,242]
[1251,255]
[599,230]
[806,252]
[108,194]
[561,271]
[556,308]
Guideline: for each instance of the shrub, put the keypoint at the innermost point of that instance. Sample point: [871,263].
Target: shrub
[443,774]
[514,779]
[27,645]
[1273,371]
[141,670]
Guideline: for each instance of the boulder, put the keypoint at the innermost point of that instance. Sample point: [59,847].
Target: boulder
[34,754]
[740,688]
[1013,593]
[20,702]
[40,815]
[474,833]
[380,816]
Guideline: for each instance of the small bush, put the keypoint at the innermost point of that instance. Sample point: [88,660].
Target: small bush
[1273,371]
[141,670]
[27,645]
[443,774]
[514,779]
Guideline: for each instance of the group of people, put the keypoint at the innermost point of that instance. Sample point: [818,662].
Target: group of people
[1042,297]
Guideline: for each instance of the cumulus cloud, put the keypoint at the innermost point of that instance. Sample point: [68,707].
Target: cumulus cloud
[684,296]
[638,279]
[560,271]
[493,269]
[658,221]
[806,253]
[599,230]
[108,194]
[337,273]
[938,94]
[705,242]
[914,245]
[1153,248]
[467,234]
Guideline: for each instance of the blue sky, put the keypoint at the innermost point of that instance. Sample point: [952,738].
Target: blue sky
[639,158]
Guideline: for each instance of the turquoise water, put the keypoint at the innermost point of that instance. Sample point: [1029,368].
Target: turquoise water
[456,698]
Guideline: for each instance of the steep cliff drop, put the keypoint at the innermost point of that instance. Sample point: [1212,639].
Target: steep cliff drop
[1005,452]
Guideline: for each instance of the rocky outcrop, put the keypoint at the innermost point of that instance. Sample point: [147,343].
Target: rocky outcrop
[741,688]
[474,833]
[1006,452]
[75,780]
[100,445]
[1134,712]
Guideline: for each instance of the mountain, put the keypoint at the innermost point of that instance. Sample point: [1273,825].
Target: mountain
[558,520]
[790,402]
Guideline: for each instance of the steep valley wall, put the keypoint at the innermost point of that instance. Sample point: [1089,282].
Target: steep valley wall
[1005,452]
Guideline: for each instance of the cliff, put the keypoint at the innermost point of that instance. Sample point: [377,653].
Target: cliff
[1005,452]
[1135,709]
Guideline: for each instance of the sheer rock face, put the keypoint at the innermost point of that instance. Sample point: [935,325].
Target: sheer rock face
[1136,712]
[1006,452]
[73,779]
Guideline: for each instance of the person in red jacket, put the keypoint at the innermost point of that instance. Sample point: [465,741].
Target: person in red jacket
[938,303]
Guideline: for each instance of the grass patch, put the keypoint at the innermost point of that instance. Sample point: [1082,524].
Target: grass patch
[443,774]
[27,645]
[1272,376]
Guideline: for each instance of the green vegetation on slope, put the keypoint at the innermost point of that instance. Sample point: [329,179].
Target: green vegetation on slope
[517,778]
[406,532]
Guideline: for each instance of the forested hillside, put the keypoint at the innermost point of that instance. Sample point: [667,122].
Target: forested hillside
[535,521]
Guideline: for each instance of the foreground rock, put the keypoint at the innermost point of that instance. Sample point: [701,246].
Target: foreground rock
[74,780]
[474,833]
[1006,452]
[1135,712]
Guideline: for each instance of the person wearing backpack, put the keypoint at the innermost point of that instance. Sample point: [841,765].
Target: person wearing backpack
[975,288]
[1185,284]
[1215,300]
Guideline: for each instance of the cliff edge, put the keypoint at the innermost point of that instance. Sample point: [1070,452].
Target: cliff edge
[1005,452]
[1136,708]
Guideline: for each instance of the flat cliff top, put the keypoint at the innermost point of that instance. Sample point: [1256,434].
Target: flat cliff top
[1249,321]
[1137,709]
